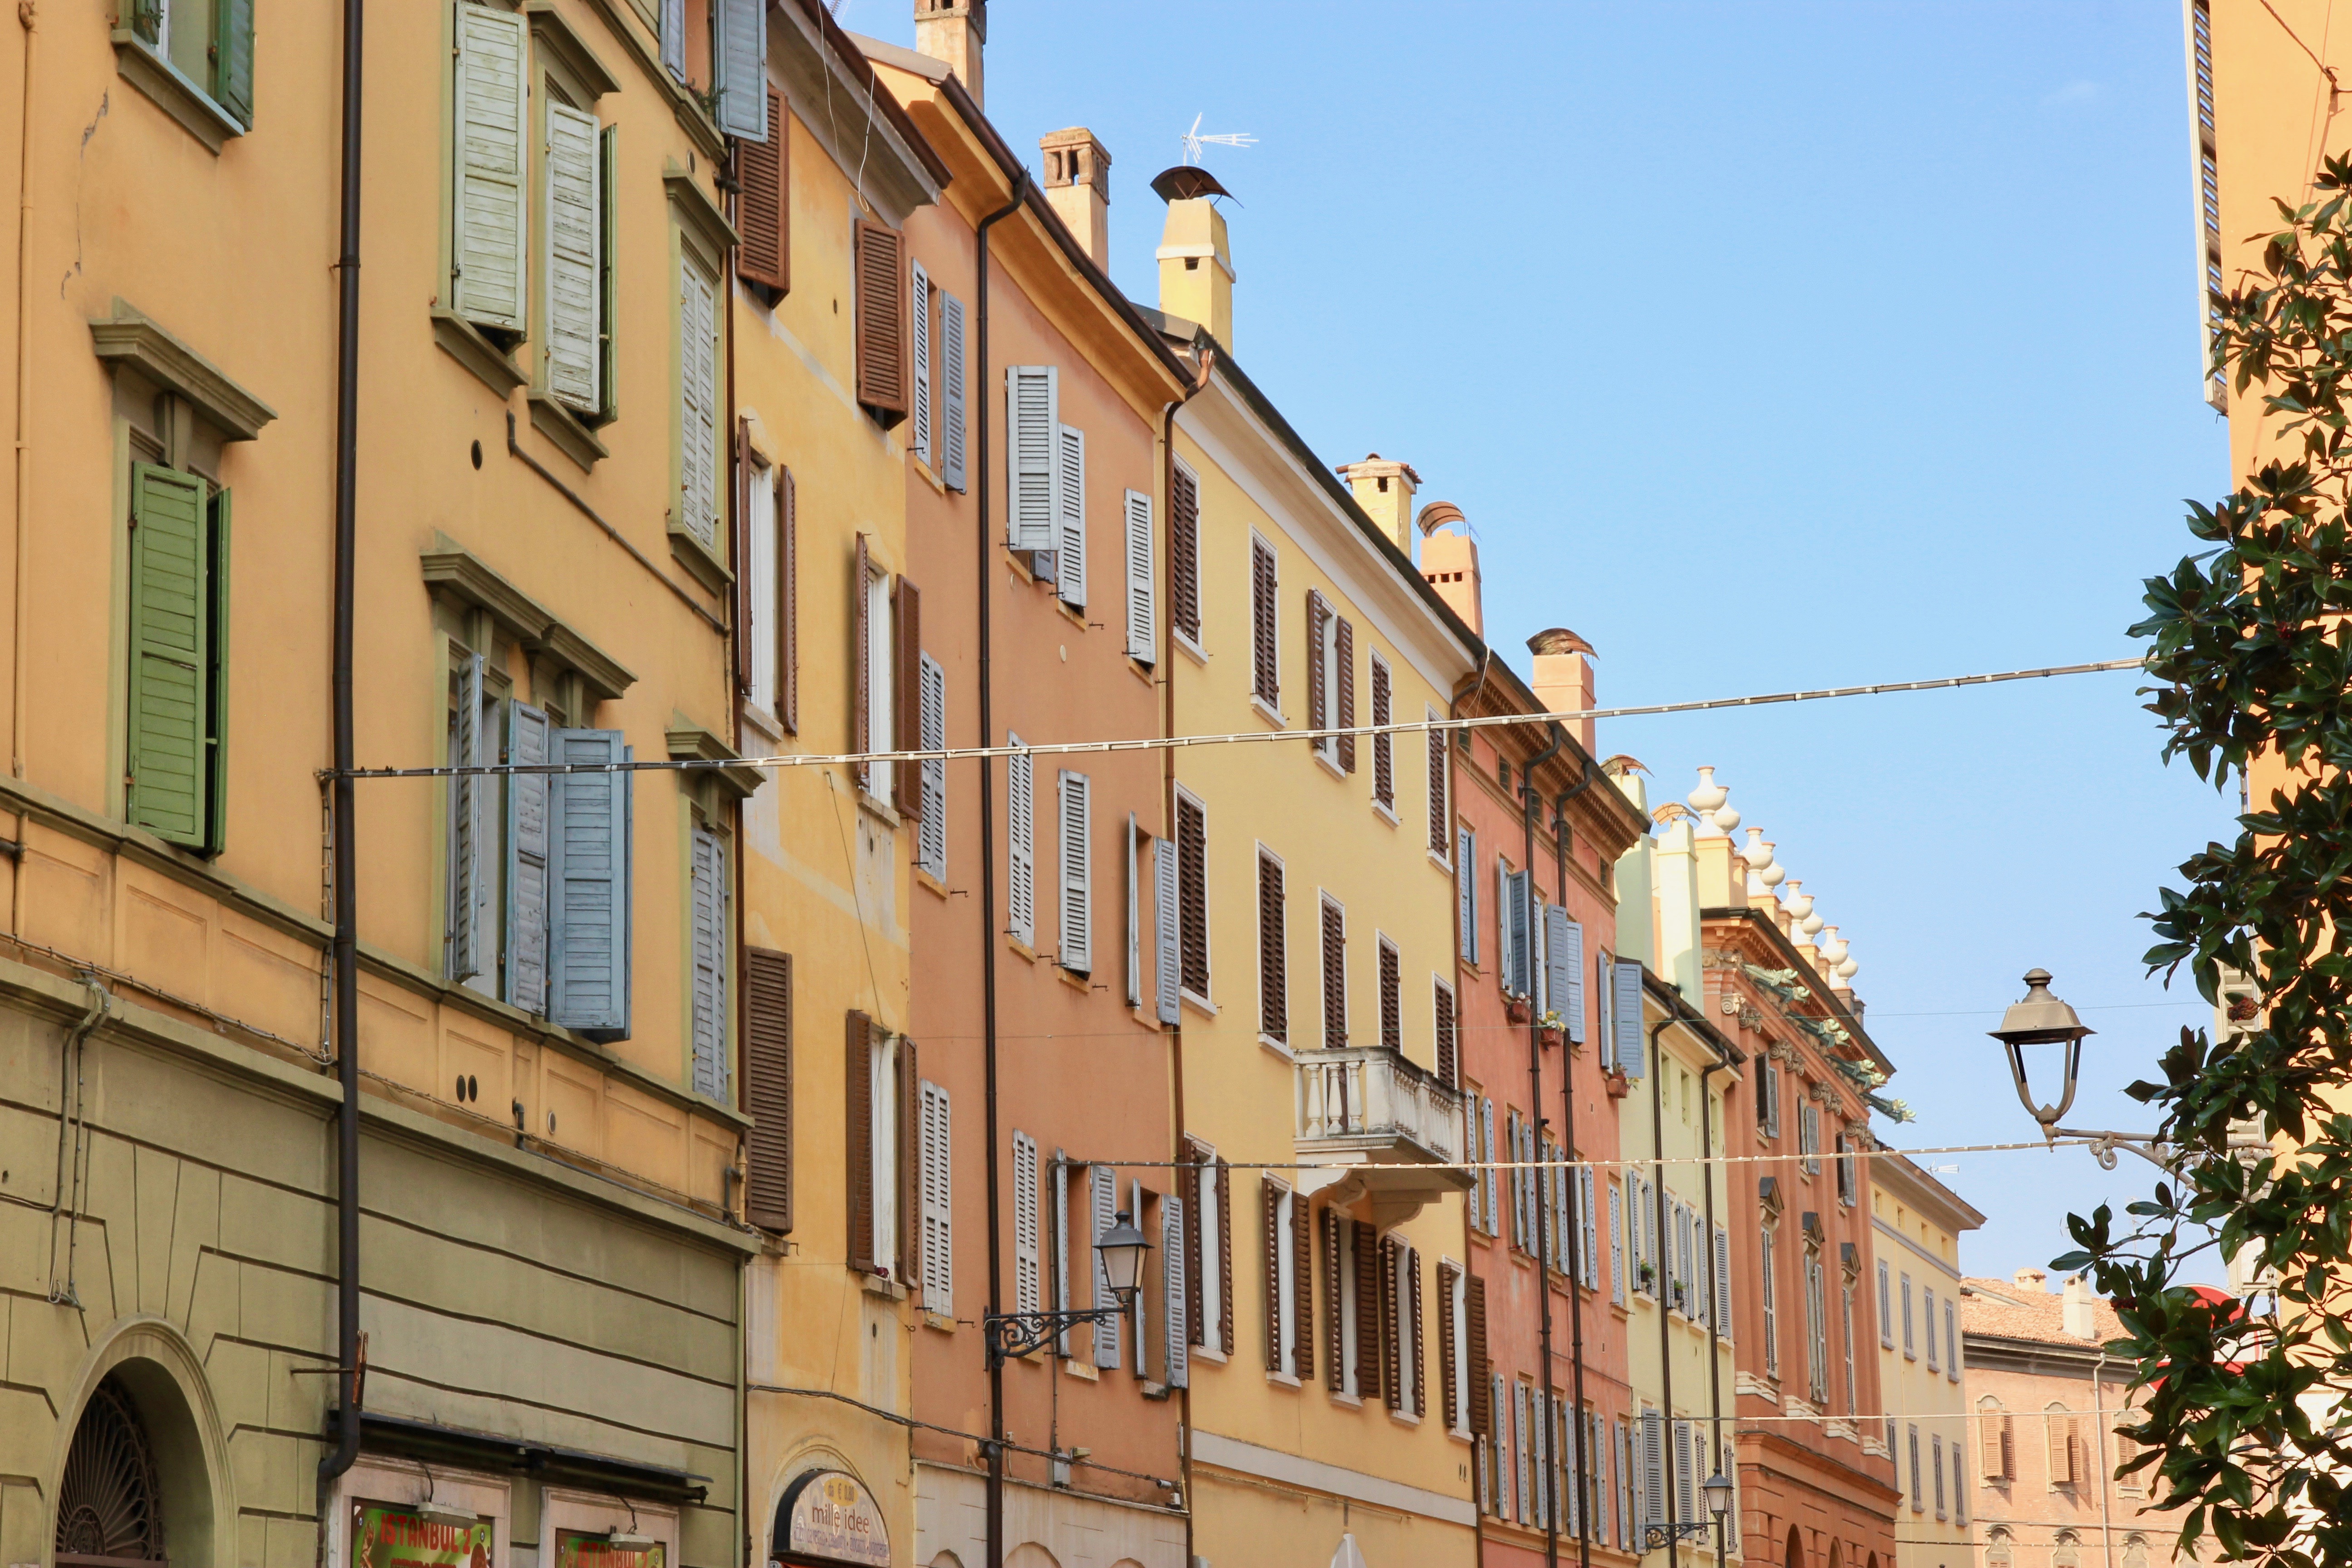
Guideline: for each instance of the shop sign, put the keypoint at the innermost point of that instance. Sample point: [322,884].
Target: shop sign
[828,1517]
[574,1550]
[389,1537]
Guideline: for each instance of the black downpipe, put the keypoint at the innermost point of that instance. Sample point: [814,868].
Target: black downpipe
[1657,1065]
[346,1449]
[1544,1239]
[988,935]
[1583,1460]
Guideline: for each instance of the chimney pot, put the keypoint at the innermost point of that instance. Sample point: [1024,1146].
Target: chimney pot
[1193,235]
[952,32]
[1077,187]
[2076,1317]
[1385,491]
[1449,562]
[2030,1278]
[1563,678]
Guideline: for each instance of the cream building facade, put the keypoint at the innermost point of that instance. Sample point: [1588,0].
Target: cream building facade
[1916,1224]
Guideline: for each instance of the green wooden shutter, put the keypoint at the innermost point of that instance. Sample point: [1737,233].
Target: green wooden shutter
[588,874]
[233,58]
[216,682]
[169,651]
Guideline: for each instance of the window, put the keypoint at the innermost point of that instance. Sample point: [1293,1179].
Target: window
[1846,1325]
[952,394]
[1028,1247]
[1918,1482]
[1069,559]
[696,515]
[177,754]
[1605,1007]
[1266,683]
[931,839]
[1447,1037]
[1184,553]
[573,259]
[1817,1341]
[1995,1459]
[919,439]
[938,1198]
[1772,1300]
[1272,978]
[711,943]
[1951,1345]
[1935,1463]
[1616,1242]
[1075,815]
[1209,1262]
[1175,1294]
[883,1112]
[1723,1285]
[1385,744]
[1192,893]
[1526,1513]
[2063,1447]
[1588,1230]
[1466,890]
[209,42]
[1331,681]
[768,1087]
[1959,1486]
[1885,1310]
[1453,1347]
[1499,1443]
[1512,968]
[880,286]
[763,206]
[1033,469]
[1909,1351]
[1400,1326]
[1809,1136]
[1392,1000]
[1653,1467]
[1334,932]
[1440,807]
[772,600]
[1927,1300]
[2064,1551]
[1485,1202]
[1102,1193]
[1289,1276]
[1845,1170]
[1142,582]
[1021,842]
[1998,1554]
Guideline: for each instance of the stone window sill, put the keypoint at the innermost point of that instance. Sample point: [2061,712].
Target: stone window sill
[563,425]
[138,63]
[464,343]
[702,560]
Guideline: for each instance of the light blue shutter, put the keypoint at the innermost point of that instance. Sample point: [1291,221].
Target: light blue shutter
[1135,1207]
[1134,916]
[951,406]
[1164,919]
[919,360]
[698,350]
[1589,1226]
[1629,1016]
[1493,1201]
[743,68]
[527,793]
[1504,973]
[1032,407]
[673,36]
[1526,1512]
[1723,1283]
[931,700]
[1540,1455]
[589,875]
[1077,819]
[574,264]
[1616,1244]
[1104,1182]
[707,912]
[1465,881]
[468,944]
[1142,582]
[1568,948]
[1027,1260]
[1604,1006]
[1653,1468]
[1176,1313]
[490,223]
[1061,1301]
[1070,517]
[1021,844]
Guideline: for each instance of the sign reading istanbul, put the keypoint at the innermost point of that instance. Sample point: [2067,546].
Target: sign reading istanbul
[827,1517]
[396,1538]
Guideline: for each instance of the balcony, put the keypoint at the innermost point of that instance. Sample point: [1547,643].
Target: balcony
[1389,1121]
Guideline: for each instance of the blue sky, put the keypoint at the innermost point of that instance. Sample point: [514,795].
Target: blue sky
[1767,347]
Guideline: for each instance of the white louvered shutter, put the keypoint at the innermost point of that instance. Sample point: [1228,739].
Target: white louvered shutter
[673,36]
[931,703]
[1022,858]
[1134,878]
[952,404]
[1061,1184]
[1033,406]
[1653,1467]
[469,946]
[1466,883]
[1723,1281]
[919,347]
[491,226]
[1164,919]
[1569,1003]
[1616,1244]
[1519,1449]
[1104,1182]
[1494,1199]
[1028,1267]
[1076,818]
[1070,516]
[697,414]
[939,1205]
[708,912]
[527,736]
[574,257]
[742,68]
[1176,1308]
[1589,1222]
[1135,1209]
[1628,1007]
[1559,971]
[1142,582]
[1539,1453]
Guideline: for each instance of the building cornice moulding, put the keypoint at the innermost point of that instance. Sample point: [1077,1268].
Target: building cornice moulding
[130,338]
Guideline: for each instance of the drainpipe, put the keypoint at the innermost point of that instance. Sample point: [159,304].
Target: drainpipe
[1546,1444]
[2099,1437]
[1714,1324]
[989,940]
[339,1459]
[1657,1066]
[1559,835]
[27,16]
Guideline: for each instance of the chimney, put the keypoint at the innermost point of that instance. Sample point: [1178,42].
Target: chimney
[1679,903]
[2030,1278]
[2075,1316]
[1563,681]
[1449,563]
[951,32]
[1385,491]
[1196,261]
[1077,187]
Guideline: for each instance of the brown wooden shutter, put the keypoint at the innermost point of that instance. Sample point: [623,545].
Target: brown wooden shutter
[859,1097]
[906,701]
[1203,1192]
[1272,1191]
[1273,989]
[1448,1372]
[768,1086]
[1193,896]
[763,209]
[1225,1255]
[1383,746]
[1991,1433]
[1302,1313]
[1335,976]
[1370,1253]
[1481,1370]
[1449,1054]
[910,1166]
[1391,1311]
[1392,1000]
[1438,844]
[861,714]
[1184,550]
[1318,712]
[2008,1450]
[788,599]
[1264,669]
[881,322]
[1415,1353]
[1344,652]
[741,536]
[1335,1360]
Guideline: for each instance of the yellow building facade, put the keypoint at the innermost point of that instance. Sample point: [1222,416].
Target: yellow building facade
[1917,1222]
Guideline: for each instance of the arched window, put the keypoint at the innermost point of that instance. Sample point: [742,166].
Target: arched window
[1996,1549]
[1995,1461]
[2058,1437]
[2065,1553]
[110,1503]
[1796,1557]
[2135,1550]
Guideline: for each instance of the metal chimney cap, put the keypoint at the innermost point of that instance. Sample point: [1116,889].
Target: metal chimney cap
[1186,182]
[2041,1018]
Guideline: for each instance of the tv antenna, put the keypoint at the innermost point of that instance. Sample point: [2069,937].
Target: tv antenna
[1194,141]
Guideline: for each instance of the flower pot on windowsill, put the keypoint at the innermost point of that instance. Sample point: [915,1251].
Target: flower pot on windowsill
[1618,1084]
[1516,1010]
[1549,1036]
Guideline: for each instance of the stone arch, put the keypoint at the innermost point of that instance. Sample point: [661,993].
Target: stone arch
[2135,1550]
[947,1559]
[149,1365]
[2066,1553]
[1796,1557]
[1029,1554]
[1837,1555]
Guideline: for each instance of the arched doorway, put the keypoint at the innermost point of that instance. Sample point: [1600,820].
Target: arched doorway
[144,1467]
[111,1498]
[1796,1557]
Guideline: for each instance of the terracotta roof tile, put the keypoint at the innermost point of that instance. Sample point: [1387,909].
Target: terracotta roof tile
[2005,1310]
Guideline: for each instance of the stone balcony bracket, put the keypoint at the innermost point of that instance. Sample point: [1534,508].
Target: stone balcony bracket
[1387,1124]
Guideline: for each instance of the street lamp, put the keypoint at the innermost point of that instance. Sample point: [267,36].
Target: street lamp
[1717,1489]
[2042,1019]
[1122,1247]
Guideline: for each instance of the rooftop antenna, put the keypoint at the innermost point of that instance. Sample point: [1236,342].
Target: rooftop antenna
[1194,141]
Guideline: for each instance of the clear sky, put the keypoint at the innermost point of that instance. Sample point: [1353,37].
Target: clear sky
[1767,346]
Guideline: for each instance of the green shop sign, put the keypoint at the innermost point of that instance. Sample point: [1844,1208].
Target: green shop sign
[391,1537]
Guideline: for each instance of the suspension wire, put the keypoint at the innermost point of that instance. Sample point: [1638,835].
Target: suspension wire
[1168,743]
[1630,1163]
